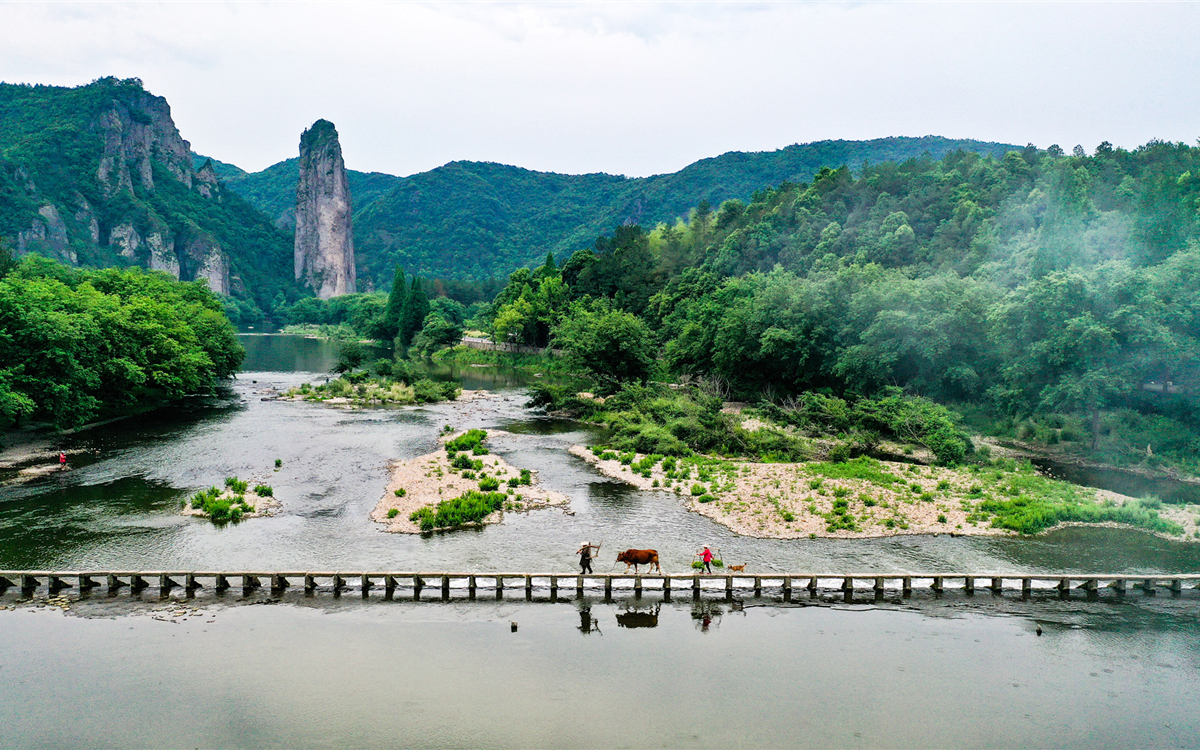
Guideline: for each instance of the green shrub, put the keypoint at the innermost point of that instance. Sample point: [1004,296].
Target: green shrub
[393,512]
[787,516]
[489,484]
[263,490]
[235,485]
[466,441]
[941,518]
[471,507]
[399,492]
[705,499]
[278,462]
[697,489]
[526,477]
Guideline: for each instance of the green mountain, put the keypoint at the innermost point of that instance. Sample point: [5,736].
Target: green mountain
[480,219]
[98,176]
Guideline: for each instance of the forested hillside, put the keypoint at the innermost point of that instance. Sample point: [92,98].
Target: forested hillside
[99,176]
[473,220]
[1036,286]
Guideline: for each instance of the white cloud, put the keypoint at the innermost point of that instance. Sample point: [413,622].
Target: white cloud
[630,87]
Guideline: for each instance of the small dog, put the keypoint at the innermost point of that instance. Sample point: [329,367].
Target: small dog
[737,568]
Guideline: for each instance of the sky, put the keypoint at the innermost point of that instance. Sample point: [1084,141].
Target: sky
[632,88]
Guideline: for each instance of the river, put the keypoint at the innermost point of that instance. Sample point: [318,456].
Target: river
[268,671]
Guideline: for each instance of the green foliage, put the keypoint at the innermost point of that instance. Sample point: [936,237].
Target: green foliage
[469,440]
[77,344]
[219,508]
[263,490]
[236,486]
[610,345]
[351,355]
[399,492]
[489,484]
[393,512]
[471,507]
[500,217]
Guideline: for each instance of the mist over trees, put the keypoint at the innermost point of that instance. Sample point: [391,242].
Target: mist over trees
[1030,284]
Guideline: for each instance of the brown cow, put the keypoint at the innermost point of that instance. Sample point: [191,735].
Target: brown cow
[636,557]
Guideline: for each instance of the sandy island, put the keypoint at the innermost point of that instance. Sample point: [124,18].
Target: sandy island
[429,479]
[753,498]
[263,506]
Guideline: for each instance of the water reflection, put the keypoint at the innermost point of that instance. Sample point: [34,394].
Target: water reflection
[588,624]
[639,616]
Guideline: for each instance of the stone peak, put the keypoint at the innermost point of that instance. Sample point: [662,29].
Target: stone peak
[320,133]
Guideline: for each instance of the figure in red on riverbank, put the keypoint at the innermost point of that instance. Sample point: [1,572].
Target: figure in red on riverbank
[62,459]
[706,557]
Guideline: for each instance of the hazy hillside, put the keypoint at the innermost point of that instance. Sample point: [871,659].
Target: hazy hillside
[477,219]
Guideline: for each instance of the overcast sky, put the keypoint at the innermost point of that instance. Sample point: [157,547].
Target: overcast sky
[631,88]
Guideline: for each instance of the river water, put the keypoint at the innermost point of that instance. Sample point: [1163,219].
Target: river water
[314,671]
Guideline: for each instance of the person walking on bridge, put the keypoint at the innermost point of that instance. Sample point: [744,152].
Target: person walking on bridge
[585,558]
[706,557]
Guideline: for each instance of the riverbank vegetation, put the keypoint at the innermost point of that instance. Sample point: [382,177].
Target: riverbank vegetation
[229,504]
[867,497]
[1050,298]
[385,382]
[76,345]
[463,484]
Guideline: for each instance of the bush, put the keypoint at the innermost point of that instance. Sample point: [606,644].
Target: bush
[705,499]
[471,507]
[263,490]
[526,477]
[466,441]
[399,492]
[393,512]
[697,489]
[489,484]
[278,462]
[235,485]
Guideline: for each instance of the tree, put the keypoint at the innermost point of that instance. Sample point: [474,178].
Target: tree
[413,314]
[395,305]
[437,333]
[610,345]
[351,355]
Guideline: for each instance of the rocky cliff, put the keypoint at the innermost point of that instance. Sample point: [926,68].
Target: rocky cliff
[324,246]
[99,175]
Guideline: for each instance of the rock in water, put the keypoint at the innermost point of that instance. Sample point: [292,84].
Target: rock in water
[324,249]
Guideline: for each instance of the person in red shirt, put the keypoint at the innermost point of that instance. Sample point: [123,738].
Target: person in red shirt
[62,459]
[706,557]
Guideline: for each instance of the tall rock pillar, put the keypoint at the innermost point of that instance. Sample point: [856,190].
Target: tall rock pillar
[324,250]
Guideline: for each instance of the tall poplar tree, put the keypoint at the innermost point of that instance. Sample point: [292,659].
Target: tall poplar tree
[412,317]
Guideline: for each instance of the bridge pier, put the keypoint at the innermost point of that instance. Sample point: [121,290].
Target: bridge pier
[1026,588]
[137,583]
[969,585]
[937,584]
[637,586]
[906,587]
[997,585]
